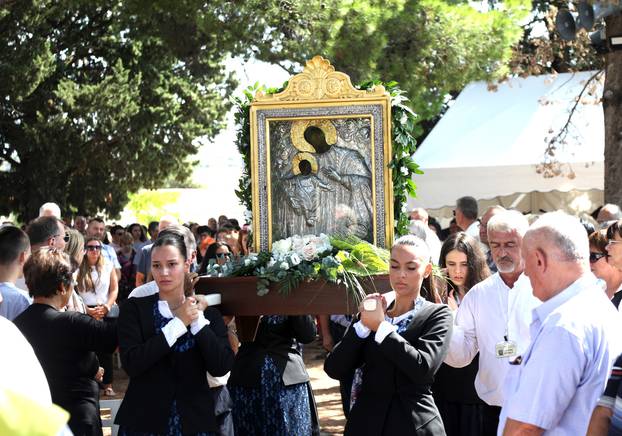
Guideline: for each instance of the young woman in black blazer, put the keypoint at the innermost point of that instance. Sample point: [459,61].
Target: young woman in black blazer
[398,348]
[167,345]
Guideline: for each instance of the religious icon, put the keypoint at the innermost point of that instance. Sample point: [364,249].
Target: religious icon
[321,166]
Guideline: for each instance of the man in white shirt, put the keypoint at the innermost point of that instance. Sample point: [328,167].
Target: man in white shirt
[14,252]
[575,336]
[466,216]
[494,316]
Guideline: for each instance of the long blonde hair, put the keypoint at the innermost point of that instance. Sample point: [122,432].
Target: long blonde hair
[85,280]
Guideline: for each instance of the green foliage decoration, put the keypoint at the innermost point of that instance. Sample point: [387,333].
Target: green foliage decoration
[404,144]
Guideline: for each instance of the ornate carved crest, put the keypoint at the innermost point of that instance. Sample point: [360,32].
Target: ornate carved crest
[320,81]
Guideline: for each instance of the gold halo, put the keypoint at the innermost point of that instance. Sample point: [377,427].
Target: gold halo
[298,133]
[299,158]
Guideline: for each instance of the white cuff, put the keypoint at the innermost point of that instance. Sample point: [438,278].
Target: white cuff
[198,324]
[361,331]
[174,330]
[384,329]
[606,402]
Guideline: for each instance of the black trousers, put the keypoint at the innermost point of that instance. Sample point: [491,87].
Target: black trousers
[105,360]
[491,420]
[345,385]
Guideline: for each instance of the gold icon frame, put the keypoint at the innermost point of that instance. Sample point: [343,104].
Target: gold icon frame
[321,93]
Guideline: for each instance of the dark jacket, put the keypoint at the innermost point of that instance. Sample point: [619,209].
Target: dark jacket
[65,343]
[395,396]
[159,376]
[279,342]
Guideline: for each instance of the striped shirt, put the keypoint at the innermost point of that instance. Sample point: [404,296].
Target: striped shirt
[612,398]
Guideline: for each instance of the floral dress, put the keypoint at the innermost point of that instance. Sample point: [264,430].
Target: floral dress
[272,409]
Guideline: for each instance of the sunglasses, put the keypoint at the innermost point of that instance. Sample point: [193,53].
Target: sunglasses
[595,257]
[93,247]
[65,238]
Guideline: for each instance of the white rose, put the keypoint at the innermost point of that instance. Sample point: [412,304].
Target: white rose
[271,262]
[322,243]
[282,246]
[284,266]
[297,244]
[309,252]
[247,262]
[295,259]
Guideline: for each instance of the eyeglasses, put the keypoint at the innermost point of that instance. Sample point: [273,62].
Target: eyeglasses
[223,255]
[93,247]
[595,257]
[613,241]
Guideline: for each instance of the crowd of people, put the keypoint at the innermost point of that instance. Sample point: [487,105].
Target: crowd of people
[500,324]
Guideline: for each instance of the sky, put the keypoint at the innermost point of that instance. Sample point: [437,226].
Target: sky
[220,164]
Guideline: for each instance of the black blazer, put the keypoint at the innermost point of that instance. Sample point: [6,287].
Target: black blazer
[158,376]
[395,397]
[65,343]
[279,342]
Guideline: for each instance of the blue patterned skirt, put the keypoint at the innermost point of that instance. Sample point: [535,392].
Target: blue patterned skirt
[272,409]
[173,428]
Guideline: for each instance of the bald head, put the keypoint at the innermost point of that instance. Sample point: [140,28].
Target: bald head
[609,212]
[419,214]
[166,221]
[50,209]
[556,253]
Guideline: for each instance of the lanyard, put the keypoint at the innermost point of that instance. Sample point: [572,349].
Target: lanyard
[508,310]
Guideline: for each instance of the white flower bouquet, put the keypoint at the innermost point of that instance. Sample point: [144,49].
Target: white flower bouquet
[309,257]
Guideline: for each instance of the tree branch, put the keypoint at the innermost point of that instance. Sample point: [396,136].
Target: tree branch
[551,145]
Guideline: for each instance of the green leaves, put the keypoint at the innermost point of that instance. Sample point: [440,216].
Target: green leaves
[100,99]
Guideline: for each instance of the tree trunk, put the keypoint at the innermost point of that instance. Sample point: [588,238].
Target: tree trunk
[612,107]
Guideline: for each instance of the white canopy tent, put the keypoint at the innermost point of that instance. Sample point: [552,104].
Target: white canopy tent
[490,142]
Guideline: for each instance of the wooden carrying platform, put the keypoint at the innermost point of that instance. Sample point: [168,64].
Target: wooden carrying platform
[317,297]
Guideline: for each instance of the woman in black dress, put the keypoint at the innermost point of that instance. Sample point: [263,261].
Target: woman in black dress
[454,388]
[399,348]
[167,346]
[65,342]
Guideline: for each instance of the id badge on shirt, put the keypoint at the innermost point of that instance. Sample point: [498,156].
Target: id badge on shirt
[505,349]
